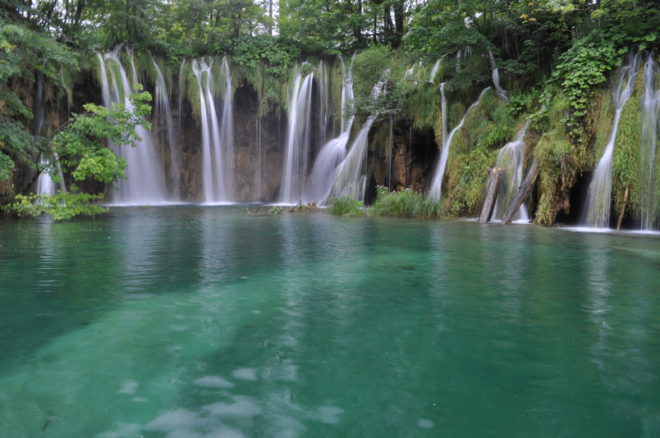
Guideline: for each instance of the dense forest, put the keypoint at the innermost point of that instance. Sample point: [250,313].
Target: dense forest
[565,78]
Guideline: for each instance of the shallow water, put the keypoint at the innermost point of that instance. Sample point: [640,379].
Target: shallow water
[192,321]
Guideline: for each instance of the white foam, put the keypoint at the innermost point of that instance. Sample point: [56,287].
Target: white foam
[249,374]
[425,424]
[128,387]
[213,382]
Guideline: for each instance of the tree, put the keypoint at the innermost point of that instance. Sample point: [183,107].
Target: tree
[80,148]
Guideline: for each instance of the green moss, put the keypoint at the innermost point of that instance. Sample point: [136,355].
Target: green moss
[424,106]
[473,149]
[558,165]
[627,153]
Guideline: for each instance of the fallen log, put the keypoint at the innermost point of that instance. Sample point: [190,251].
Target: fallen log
[491,195]
[524,192]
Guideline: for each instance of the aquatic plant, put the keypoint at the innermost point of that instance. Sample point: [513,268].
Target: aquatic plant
[405,204]
[346,206]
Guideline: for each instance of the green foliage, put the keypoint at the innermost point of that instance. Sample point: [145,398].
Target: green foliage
[580,69]
[346,206]
[405,204]
[24,53]
[80,147]
[63,206]
[276,209]
[379,65]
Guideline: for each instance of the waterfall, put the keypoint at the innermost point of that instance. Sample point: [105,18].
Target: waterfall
[510,158]
[600,190]
[650,115]
[323,101]
[145,181]
[458,61]
[227,131]
[183,62]
[390,145]
[298,139]
[436,186]
[164,111]
[333,153]
[434,70]
[216,177]
[501,92]
[257,174]
[349,179]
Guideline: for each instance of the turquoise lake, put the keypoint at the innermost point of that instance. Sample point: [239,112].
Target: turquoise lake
[204,322]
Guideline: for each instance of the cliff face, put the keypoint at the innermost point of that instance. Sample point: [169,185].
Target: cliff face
[259,145]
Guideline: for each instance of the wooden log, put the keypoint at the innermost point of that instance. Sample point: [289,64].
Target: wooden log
[491,195]
[524,192]
[623,210]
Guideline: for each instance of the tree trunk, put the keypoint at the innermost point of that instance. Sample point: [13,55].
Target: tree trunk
[623,210]
[523,193]
[491,195]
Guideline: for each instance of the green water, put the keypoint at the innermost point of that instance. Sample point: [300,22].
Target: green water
[186,322]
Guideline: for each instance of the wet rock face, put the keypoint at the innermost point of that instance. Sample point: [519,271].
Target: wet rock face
[252,183]
[414,154]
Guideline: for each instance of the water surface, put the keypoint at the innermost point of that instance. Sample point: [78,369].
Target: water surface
[188,321]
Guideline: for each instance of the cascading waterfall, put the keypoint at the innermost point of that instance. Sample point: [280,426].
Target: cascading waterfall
[164,112]
[333,153]
[298,139]
[349,179]
[501,92]
[216,182]
[458,61]
[390,147]
[510,158]
[436,186]
[257,174]
[145,181]
[323,100]
[600,190]
[227,131]
[183,62]
[650,116]
[434,70]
